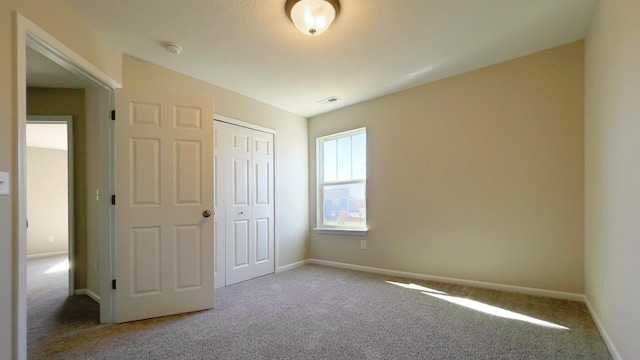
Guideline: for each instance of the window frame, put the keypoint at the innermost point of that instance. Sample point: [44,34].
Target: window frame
[321,227]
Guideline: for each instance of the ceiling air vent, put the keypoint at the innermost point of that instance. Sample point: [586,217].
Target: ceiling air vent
[328,100]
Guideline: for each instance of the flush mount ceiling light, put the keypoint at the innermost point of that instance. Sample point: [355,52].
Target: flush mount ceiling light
[312,17]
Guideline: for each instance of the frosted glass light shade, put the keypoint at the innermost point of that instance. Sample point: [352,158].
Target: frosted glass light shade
[312,17]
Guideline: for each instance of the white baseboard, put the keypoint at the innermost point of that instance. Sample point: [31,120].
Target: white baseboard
[88,293]
[607,340]
[292,266]
[35,256]
[480,284]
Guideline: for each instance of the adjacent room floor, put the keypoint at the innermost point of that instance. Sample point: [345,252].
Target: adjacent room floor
[318,312]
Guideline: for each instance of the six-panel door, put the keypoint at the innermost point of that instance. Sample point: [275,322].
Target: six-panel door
[244,169]
[164,243]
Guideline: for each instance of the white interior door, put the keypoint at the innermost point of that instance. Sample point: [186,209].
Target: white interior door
[164,186]
[245,159]
[239,231]
[263,205]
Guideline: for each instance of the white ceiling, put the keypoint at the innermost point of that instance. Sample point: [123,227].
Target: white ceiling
[374,48]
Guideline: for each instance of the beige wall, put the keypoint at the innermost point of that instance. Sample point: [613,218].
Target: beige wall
[612,176]
[477,177]
[41,101]
[497,191]
[63,22]
[47,200]
[291,156]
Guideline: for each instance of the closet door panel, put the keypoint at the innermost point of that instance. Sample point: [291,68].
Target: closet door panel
[244,165]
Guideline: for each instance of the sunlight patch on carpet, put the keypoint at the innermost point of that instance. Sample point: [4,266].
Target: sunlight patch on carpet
[478,306]
[415,287]
[495,311]
[62,266]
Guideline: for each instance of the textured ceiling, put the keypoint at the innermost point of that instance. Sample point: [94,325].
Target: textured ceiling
[374,48]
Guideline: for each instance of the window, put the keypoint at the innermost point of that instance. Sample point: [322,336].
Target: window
[342,180]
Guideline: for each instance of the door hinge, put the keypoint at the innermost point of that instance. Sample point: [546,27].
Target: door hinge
[113,199]
[113,284]
[113,114]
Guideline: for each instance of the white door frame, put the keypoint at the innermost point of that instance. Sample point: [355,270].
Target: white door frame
[67,120]
[248,125]
[31,35]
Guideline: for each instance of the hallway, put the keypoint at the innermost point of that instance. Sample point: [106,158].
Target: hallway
[50,309]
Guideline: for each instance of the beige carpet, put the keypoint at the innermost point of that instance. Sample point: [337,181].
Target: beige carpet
[315,312]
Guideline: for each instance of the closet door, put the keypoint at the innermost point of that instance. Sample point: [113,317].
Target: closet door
[262,262]
[239,231]
[245,186]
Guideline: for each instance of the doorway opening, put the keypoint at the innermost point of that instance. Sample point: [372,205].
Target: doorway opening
[31,39]
[50,195]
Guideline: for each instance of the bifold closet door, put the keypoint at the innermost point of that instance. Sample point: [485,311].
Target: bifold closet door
[263,207]
[246,174]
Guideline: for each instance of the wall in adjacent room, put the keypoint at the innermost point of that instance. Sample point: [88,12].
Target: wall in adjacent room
[47,203]
[476,177]
[612,173]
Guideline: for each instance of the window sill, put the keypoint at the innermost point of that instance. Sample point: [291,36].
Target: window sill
[332,231]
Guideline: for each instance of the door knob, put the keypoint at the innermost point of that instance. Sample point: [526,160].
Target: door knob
[206,213]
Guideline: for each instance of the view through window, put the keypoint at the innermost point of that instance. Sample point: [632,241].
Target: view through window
[342,177]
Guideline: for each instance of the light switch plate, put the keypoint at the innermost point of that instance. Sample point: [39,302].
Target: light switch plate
[5,187]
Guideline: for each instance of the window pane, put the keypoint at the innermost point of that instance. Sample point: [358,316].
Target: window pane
[330,160]
[344,158]
[359,149]
[345,205]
